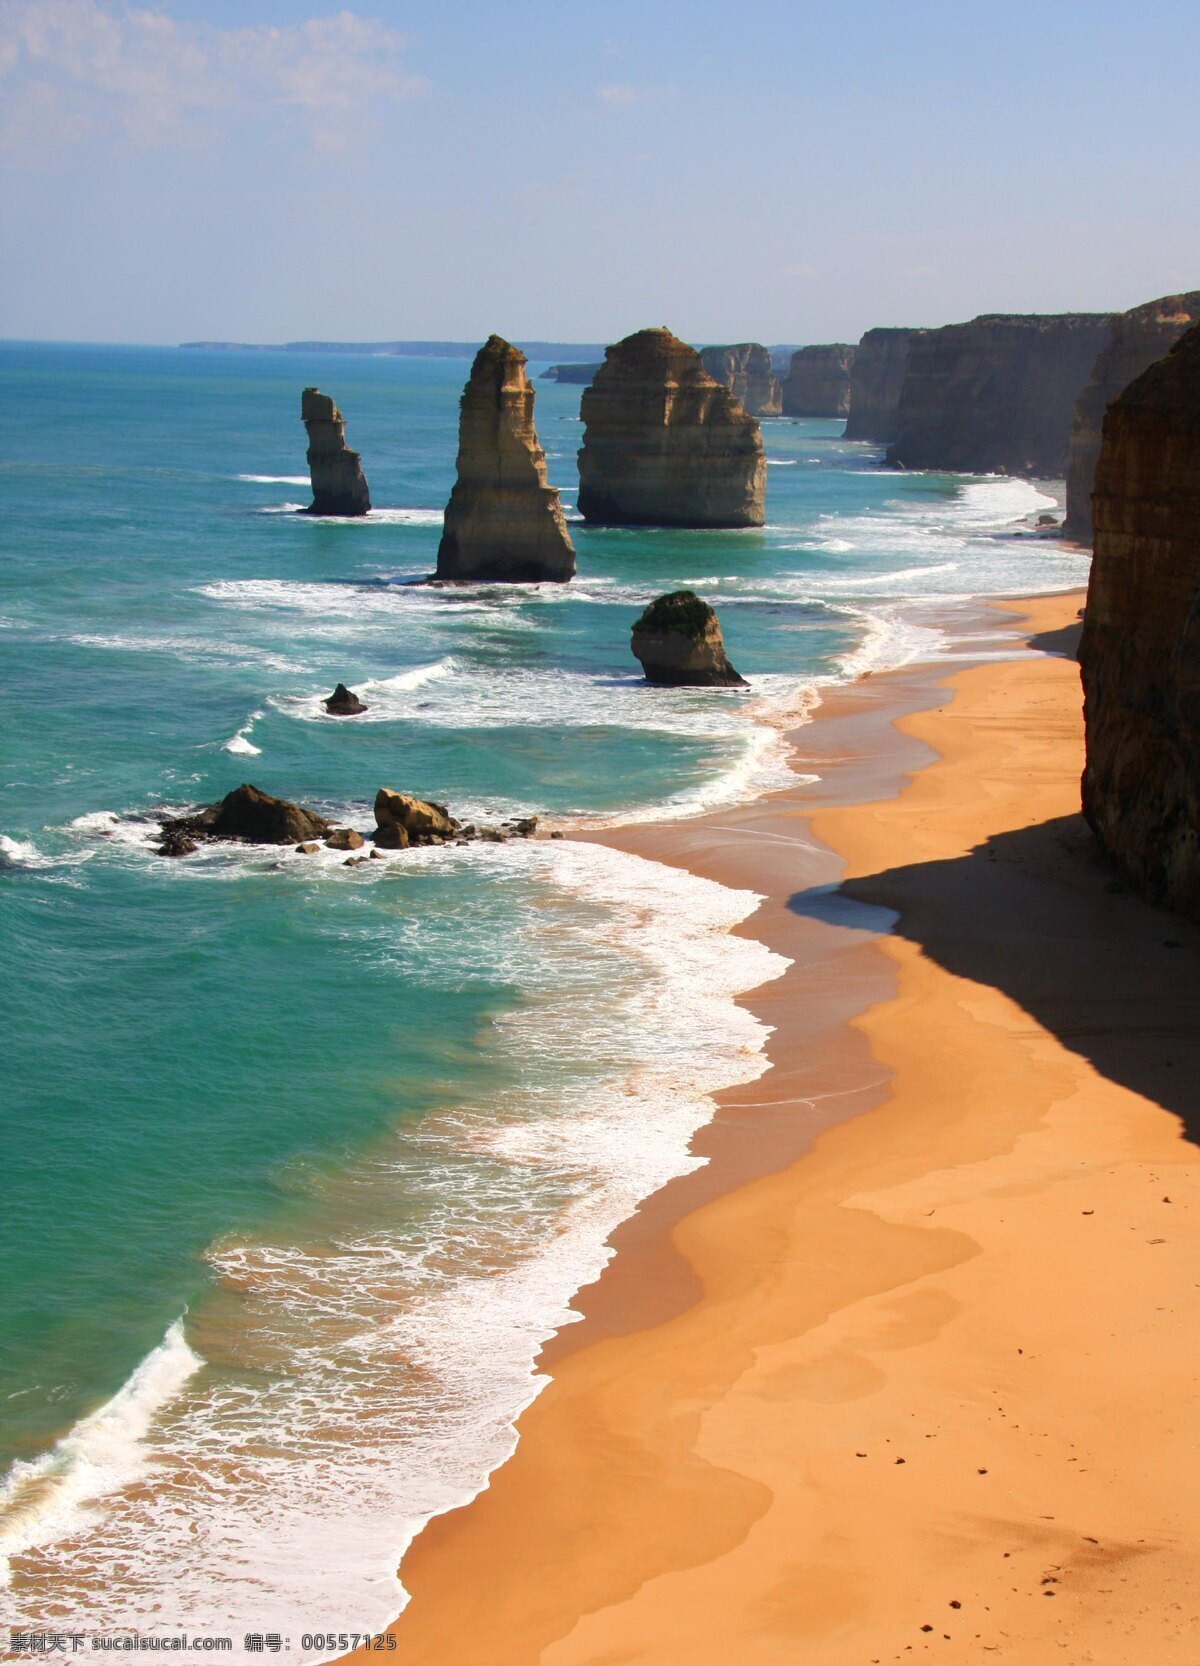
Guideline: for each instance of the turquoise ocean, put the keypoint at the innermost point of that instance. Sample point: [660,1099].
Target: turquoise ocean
[301,1162]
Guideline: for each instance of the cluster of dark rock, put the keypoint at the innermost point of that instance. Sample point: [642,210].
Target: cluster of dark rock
[249,816]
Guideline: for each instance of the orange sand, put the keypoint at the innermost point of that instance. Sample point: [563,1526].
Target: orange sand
[930,1389]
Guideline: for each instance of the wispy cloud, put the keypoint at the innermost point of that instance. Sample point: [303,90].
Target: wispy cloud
[621,92]
[77,70]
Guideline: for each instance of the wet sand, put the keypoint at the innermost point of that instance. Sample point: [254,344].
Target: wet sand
[909,1368]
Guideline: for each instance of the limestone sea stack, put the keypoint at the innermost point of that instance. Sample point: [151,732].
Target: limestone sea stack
[996,395]
[746,371]
[339,486]
[665,444]
[504,524]
[876,377]
[678,641]
[1138,338]
[818,381]
[1140,652]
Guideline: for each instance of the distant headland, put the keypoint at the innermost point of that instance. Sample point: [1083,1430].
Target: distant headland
[554,350]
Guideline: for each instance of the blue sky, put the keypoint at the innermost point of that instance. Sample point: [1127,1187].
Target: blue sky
[579,169]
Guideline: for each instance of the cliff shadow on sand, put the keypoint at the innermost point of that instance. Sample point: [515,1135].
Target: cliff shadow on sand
[1036,913]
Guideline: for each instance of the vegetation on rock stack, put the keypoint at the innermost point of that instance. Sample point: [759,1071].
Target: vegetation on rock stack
[1140,652]
[679,643]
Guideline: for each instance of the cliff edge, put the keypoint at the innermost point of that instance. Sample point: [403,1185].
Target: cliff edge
[876,377]
[745,369]
[1140,651]
[1139,337]
[997,395]
[818,381]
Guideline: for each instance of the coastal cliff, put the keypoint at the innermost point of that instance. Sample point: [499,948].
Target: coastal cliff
[339,486]
[996,395]
[1140,652]
[664,444]
[578,375]
[745,369]
[876,377]
[818,381]
[1138,338]
[504,522]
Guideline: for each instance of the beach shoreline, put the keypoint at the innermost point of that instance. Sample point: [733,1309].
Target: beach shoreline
[696,1482]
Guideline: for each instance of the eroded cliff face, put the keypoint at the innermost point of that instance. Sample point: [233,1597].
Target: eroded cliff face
[504,523]
[818,381]
[339,486]
[997,395]
[876,377]
[745,369]
[679,644]
[664,444]
[1138,338]
[1140,652]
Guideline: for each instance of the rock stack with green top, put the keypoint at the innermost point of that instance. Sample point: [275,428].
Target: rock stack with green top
[678,641]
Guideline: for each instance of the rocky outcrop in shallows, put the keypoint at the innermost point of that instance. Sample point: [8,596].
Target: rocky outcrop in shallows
[339,486]
[997,395]
[679,644]
[876,378]
[251,817]
[745,369]
[818,381]
[343,703]
[1140,651]
[1138,338]
[664,444]
[504,523]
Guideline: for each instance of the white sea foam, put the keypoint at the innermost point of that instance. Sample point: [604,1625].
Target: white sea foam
[382,1365]
[373,517]
[50,1497]
[241,744]
[275,479]
[198,649]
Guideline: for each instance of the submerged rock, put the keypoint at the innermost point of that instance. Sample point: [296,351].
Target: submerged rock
[252,817]
[678,641]
[342,703]
[818,381]
[996,395]
[177,844]
[339,486]
[745,369]
[1139,337]
[504,523]
[1140,651]
[876,377]
[664,444]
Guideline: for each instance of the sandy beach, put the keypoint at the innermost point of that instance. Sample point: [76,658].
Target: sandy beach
[908,1369]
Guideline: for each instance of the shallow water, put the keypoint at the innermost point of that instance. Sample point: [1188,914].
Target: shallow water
[304,1160]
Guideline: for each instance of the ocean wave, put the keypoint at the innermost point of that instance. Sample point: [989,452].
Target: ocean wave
[45,1499]
[240,744]
[275,479]
[377,1370]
